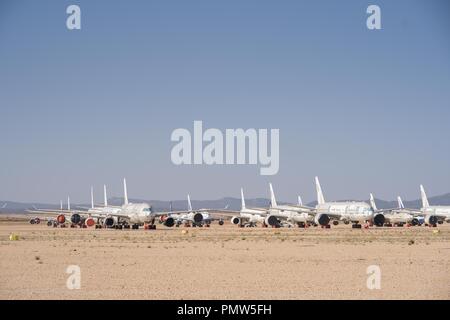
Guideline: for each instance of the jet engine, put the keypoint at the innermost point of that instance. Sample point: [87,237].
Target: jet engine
[61,219]
[75,218]
[322,219]
[378,220]
[235,220]
[110,222]
[89,222]
[431,220]
[415,222]
[198,217]
[169,222]
[271,220]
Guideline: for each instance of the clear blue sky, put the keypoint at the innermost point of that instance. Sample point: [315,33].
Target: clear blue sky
[367,111]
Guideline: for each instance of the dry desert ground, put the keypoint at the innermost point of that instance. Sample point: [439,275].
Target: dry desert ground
[224,262]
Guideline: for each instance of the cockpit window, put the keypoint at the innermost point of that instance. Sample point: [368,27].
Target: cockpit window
[148,209]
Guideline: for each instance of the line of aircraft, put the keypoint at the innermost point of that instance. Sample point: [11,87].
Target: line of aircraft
[129,215]
[324,214]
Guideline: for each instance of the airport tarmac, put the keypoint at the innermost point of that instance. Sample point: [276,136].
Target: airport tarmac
[224,262]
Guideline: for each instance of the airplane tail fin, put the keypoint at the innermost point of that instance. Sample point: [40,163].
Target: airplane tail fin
[300,202]
[68,203]
[425,203]
[242,199]
[320,198]
[189,203]
[273,201]
[400,203]
[92,198]
[105,197]
[372,202]
[125,192]
[171,207]
[61,202]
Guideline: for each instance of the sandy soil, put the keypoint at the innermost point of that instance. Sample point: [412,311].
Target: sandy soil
[224,263]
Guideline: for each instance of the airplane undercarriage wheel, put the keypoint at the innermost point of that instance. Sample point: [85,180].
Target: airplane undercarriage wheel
[126,226]
[356,226]
[134,227]
[440,222]
[208,225]
[335,222]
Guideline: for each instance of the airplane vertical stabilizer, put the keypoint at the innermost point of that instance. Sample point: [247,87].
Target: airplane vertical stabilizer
[400,203]
[125,192]
[372,202]
[68,203]
[189,203]
[242,199]
[320,198]
[273,201]
[300,201]
[105,198]
[425,203]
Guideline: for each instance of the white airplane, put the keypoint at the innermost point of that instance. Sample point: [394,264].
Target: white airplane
[433,214]
[395,216]
[356,212]
[132,214]
[249,217]
[129,214]
[300,215]
[191,217]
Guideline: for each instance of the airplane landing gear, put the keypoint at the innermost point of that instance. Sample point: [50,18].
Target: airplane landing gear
[356,226]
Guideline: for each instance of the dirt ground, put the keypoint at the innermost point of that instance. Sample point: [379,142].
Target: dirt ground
[224,262]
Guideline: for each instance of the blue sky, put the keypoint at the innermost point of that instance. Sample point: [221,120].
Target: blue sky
[367,111]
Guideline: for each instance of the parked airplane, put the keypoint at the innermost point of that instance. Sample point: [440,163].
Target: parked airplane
[249,217]
[395,216]
[129,214]
[433,214]
[300,215]
[346,211]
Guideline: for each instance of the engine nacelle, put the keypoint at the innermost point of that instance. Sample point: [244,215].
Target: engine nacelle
[271,220]
[379,220]
[109,222]
[75,218]
[431,220]
[322,219]
[415,222]
[89,222]
[235,220]
[61,219]
[32,221]
[169,222]
[198,217]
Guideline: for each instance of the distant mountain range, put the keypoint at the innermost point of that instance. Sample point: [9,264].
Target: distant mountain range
[230,203]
